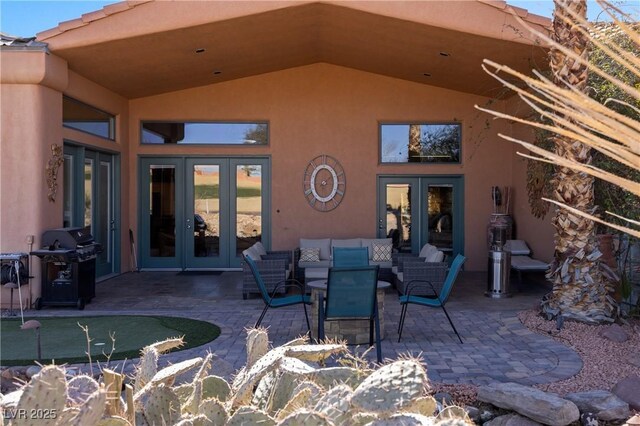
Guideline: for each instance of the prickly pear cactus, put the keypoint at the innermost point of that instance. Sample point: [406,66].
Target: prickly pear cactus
[392,386]
[47,391]
[287,385]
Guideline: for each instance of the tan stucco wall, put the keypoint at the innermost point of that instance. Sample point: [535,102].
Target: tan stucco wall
[326,109]
[31,104]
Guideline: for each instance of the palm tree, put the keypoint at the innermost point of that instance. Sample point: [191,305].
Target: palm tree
[580,290]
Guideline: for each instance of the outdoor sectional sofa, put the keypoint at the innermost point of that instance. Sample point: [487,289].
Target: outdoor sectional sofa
[274,267]
[310,267]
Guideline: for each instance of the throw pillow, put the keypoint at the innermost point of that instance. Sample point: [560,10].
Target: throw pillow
[310,254]
[381,252]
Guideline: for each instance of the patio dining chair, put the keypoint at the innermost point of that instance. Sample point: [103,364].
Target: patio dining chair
[351,295]
[437,297]
[350,256]
[278,302]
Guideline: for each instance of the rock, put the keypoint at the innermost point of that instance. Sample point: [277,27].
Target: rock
[604,405]
[535,404]
[633,359]
[473,413]
[615,333]
[628,390]
[511,420]
[32,371]
[7,374]
[486,415]
[588,419]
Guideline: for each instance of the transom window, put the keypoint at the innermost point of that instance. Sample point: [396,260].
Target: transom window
[420,143]
[215,133]
[80,116]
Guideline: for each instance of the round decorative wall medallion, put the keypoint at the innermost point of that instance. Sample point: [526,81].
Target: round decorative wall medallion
[324,183]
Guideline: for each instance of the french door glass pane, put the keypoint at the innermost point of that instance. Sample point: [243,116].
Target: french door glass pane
[102,234]
[206,207]
[162,226]
[440,216]
[398,215]
[88,191]
[67,209]
[248,206]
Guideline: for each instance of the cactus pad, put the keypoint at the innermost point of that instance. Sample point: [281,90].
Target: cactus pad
[214,411]
[79,388]
[92,410]
[305,418]
[47,390]
[392,386]
[113,421]
[257,345]
[250,416]
[162,406]
[168,374]
[335,403]
[405,419]
[298,401]
[168,344]
[425,405]
[315,353]
[147,367]
[329,376]
[215,387]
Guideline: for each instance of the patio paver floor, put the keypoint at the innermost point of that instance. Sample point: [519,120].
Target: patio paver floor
[497,347]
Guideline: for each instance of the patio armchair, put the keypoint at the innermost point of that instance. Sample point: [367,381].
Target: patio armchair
[351,295]
[436,298]
[350,256]
[270,301]
[274,266]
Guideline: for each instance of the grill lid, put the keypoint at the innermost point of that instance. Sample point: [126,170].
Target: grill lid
[66,238]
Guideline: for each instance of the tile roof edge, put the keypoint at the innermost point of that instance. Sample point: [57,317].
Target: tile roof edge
[89,17]
[521,12]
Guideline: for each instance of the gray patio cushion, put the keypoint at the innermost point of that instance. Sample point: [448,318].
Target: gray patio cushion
[400,276]
[426,250]
[324,244]
[252,253]
[259,248]
[436,256]
[394,269]
[525,263]
[314,265]
[517,247]
[385,264]
[311,274]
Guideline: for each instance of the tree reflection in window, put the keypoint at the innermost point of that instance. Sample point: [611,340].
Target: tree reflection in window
[420,143]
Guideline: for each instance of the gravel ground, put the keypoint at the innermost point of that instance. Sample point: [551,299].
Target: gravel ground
[605,362]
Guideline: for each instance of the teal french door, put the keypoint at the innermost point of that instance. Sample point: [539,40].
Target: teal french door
[415,210]
[90,199]
[202,212]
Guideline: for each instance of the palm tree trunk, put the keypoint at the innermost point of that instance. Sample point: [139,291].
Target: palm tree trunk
[415,147]
[580,290]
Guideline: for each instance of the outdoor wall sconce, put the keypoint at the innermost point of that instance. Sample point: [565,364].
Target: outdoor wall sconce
[51,170]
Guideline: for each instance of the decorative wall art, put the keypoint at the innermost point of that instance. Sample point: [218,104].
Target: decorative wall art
[324,183]
[51,171]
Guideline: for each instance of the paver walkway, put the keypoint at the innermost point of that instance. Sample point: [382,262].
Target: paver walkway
[497,347]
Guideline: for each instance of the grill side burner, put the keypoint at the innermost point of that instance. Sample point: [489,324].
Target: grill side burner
[68,260]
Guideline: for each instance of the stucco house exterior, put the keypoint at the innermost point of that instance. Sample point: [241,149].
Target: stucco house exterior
[199,127]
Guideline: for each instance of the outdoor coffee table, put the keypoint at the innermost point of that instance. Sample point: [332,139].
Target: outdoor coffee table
[355,332]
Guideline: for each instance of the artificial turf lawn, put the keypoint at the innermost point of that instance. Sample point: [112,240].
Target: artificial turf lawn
[64,341]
